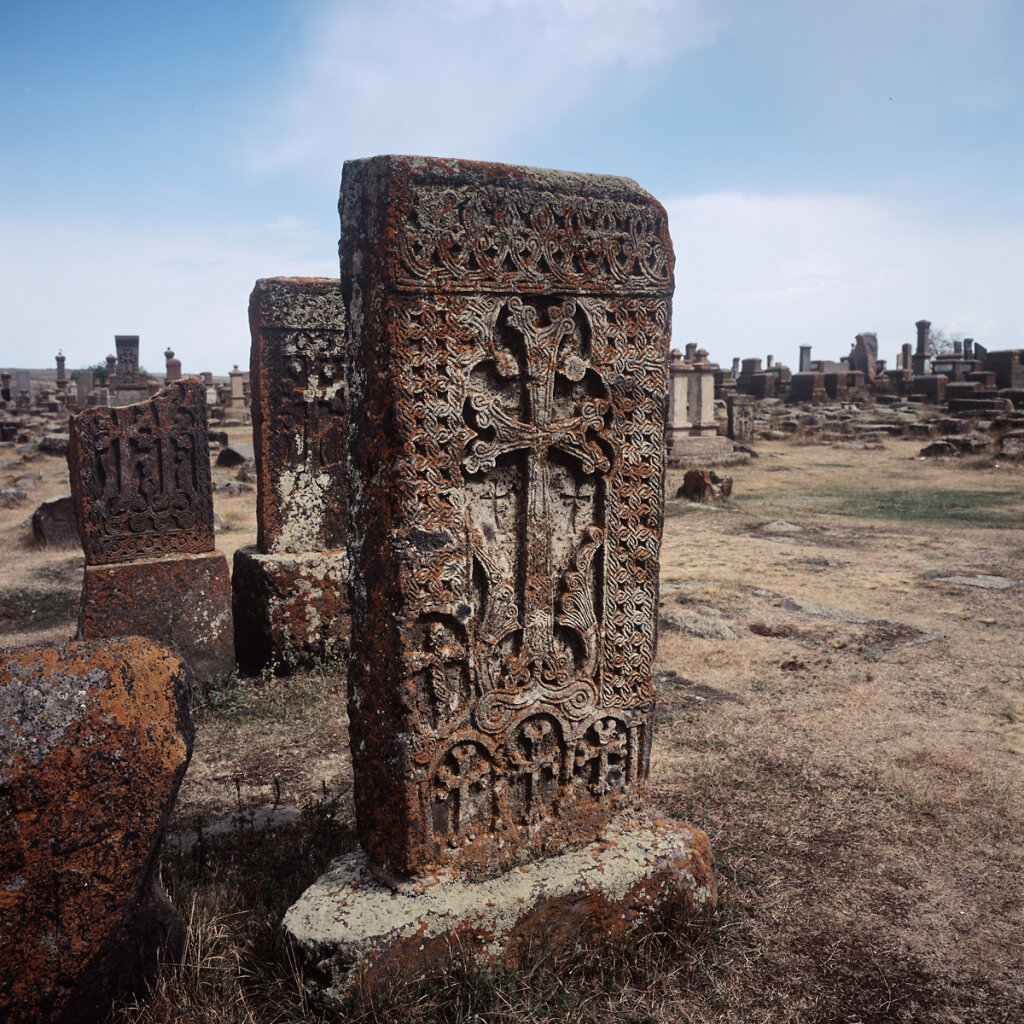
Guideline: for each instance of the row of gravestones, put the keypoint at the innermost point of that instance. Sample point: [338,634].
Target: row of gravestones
[498,343]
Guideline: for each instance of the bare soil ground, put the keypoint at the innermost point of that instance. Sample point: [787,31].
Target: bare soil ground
[852,743]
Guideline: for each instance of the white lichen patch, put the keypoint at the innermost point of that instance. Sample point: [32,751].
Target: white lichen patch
[349,916]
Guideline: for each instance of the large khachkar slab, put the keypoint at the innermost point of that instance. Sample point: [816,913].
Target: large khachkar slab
[507,375]
[140,476]
[290,592]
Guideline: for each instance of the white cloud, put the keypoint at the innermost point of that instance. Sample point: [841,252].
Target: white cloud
[459,77]
[765,274]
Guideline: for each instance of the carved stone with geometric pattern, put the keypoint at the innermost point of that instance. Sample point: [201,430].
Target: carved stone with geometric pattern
[507,367]
[290,591]
[141,484]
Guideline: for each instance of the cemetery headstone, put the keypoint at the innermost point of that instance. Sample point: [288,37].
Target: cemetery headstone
[506,360]
[140,477]
[290,591]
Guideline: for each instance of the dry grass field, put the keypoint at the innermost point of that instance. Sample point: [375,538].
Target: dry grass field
[841,708]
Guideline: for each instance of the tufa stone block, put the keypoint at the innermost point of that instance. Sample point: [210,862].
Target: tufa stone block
[94,742]
[508,334]
[352,932]
[140,476]
[289,606]
[184,602]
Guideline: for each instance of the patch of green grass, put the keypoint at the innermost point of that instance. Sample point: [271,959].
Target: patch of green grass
[1001,510]
[28,608]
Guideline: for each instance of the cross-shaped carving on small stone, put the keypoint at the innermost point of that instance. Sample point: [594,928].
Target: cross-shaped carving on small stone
[467,765]
[603,748]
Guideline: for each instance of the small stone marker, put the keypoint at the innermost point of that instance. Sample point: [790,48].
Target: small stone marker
[507,351]
[140,478]
[94,741]
[290,592]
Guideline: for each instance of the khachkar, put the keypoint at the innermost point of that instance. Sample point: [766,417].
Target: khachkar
[140,479]
[507,351]
[289,592]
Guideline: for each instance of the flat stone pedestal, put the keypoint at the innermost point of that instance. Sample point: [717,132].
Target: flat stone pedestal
[704,451]
[289,603]
[183,601]
[351,931]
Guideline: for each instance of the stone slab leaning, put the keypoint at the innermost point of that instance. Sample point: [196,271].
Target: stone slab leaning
[95,738]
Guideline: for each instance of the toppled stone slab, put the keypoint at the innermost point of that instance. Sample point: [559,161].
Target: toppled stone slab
[823,611]
[236,455]
[703,485]
[183,601]
[699,626]
[957,444]
[351,931]
[981,580]
[94,741]
[55,523]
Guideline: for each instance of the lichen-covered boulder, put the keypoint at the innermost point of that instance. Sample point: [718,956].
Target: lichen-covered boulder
[95,738]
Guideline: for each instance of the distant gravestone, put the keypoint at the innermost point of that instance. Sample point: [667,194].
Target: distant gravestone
[290,592]
[140,478]
[507,378]
[864,357]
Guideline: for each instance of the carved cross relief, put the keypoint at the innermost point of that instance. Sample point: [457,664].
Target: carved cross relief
[534,473]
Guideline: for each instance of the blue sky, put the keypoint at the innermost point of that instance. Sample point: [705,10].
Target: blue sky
[829,166]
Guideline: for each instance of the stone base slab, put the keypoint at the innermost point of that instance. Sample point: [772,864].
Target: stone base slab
[289,606]
[703,450]
[183,601]
[350,931]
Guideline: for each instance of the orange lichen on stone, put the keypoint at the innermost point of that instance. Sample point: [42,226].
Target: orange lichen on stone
[183,601]
[96,740]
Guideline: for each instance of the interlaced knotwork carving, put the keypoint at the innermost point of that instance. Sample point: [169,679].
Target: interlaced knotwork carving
[140,476]
[494,238]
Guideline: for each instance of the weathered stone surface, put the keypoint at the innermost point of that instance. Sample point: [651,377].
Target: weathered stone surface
[704,486]
[956,444]
[699,626]
[184,602]
[289,606]
[298,413]
[507,361]
[94,741]
[236,455]
[55,523]
[351,931]
[140,476]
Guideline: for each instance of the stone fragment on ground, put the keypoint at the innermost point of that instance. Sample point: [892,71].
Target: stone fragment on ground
[94,741]
[236,455]
[12,497]
[981,580]
[699,626]
[824,611]
[957,444]
[703,485]
[55,523]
